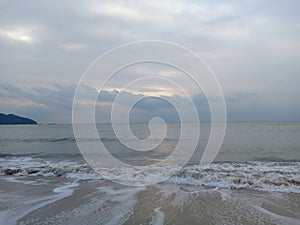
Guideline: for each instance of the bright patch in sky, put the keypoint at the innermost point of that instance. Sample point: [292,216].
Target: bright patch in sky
[17,35]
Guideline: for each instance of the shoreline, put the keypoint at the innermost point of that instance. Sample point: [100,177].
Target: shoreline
[58,200]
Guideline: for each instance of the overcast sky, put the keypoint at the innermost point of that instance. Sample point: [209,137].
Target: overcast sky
[253,47]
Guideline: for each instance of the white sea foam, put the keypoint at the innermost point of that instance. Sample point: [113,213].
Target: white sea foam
[282,177]
[66,189]
[125,199]
[158,218]
[18,209]
[266,176]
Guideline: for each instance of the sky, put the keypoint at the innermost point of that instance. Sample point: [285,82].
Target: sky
[252,46]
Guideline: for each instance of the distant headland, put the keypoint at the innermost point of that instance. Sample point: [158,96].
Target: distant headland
[14,119]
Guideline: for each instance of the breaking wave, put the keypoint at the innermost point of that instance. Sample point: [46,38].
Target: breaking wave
[265,176]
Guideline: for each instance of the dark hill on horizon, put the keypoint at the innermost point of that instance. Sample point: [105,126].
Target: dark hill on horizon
[14,119]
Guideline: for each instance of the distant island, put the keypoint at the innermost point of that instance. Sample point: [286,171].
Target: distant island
[14,119]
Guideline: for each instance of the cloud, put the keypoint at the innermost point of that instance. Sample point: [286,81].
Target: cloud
[252,47]
[18,34]
[54,104]
[41,103]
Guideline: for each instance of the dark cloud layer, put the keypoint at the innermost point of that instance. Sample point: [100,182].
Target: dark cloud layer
[55,105]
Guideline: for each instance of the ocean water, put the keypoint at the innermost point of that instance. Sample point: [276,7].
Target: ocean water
[255,156]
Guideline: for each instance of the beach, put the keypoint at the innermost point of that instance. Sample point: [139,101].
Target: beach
[255,179]
[150,112]
[53,200]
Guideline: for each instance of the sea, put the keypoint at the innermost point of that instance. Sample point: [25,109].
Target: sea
[263,156]
[255,157]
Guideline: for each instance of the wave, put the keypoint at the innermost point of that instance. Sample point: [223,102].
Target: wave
[4,141]
[265,176]
[8,156]
[33,140]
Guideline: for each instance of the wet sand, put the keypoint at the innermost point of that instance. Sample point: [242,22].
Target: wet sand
[55,200]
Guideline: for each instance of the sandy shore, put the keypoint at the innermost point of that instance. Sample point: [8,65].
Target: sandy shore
[52,200]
